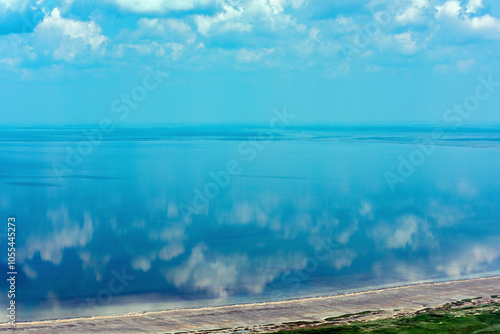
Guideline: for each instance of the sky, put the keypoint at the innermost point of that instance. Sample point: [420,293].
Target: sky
[188,62]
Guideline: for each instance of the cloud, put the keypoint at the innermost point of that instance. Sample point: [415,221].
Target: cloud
[68,39]
[414,13]
[171,251]
[252,56]
[29,271]
[342,258]
[411,231]
[246,16]
[471,260]
[459,20]
[474,5]
[67,234]
[227,20]
[219,274]
[13,5]
[171,30]
[406,42]
[172,50]
[160,6]
[143,262]
[449,9]
[202,274]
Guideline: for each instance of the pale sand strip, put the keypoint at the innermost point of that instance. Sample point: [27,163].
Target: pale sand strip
[406,298]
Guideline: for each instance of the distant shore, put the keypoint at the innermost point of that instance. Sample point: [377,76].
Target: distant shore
[264,317]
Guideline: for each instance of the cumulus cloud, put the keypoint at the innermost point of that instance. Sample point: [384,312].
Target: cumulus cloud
[160,6]
[414,13]
[68,39]
[449,9]
[246,16]
[474,5]
[462,20]
[227,20]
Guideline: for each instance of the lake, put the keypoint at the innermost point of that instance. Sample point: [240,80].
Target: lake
[144,219]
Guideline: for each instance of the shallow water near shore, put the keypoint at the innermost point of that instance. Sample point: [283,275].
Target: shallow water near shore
[152,219]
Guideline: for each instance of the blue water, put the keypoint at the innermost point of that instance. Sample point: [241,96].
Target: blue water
[128,225]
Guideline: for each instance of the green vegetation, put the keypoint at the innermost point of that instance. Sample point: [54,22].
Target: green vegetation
[483,318]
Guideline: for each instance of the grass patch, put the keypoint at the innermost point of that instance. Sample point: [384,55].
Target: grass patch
[483,318]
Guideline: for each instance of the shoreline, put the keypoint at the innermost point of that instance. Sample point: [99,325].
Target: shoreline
[311,308]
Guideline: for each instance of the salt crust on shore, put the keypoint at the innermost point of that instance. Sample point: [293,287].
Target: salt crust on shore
[409,298]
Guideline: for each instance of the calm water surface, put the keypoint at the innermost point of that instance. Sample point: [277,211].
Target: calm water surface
[307,214]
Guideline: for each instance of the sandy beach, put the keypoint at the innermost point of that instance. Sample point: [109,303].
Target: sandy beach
[267,317]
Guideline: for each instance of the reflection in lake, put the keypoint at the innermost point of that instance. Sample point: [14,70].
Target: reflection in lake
[307,216]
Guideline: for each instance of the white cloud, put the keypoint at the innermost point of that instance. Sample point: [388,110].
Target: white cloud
[487,25]
[245,16]
[171,50]
[252,56]
[450,8]
[313,33]
[461,21]
[406,42]
[171,30]
[228,20]
[13,5]
[474,5]
[10,62]
[160,6]
[68,39]
[414,13]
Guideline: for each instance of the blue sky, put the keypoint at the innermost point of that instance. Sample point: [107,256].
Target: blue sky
[233,61]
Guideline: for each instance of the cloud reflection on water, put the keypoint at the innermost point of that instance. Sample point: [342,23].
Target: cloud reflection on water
[259,233]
